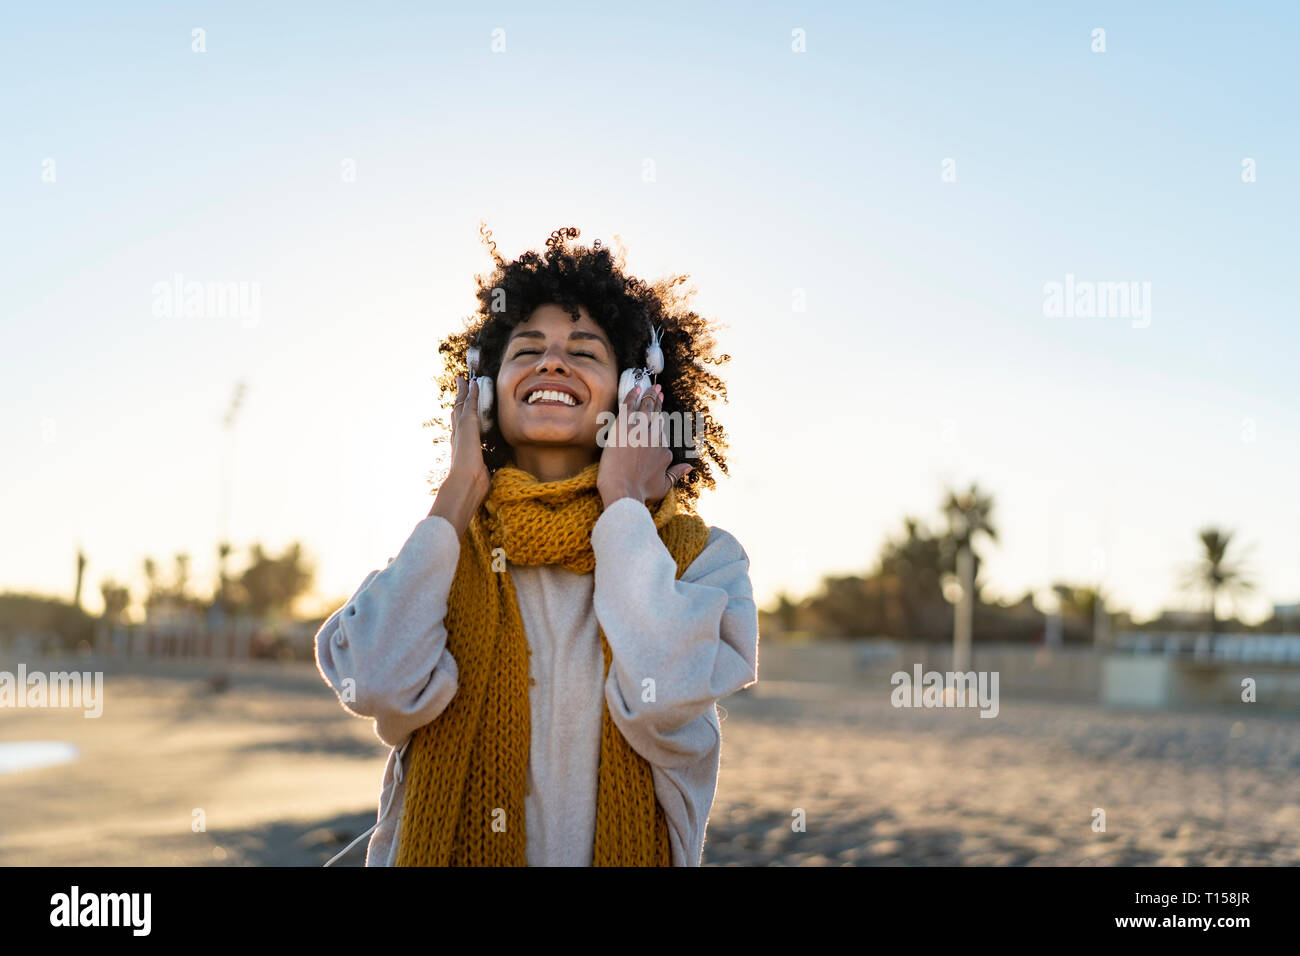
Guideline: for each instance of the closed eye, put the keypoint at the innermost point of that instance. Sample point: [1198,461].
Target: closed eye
[539,351]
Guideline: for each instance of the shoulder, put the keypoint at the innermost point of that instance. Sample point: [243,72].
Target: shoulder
[724,541]
[722,552]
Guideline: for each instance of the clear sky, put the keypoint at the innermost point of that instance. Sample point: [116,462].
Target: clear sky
[923,354]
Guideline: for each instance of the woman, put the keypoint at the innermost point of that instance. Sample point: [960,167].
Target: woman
[545,653]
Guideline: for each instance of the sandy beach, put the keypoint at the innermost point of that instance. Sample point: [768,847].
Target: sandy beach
[279,775]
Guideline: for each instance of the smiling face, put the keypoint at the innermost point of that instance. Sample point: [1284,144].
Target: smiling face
[576,364]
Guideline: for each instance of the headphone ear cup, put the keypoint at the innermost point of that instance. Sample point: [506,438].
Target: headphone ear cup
[627,381]
[484,404]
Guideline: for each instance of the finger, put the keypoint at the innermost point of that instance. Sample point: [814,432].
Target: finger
[633,399]
[644,405]
[456,404]
[672,476]
[649,407]
[631,405]
[657,430]
[471,404]
[466,400]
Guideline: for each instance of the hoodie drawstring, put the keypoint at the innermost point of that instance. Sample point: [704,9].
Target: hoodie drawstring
[397,778]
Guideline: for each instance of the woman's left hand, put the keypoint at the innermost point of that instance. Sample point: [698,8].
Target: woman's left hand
[638,469]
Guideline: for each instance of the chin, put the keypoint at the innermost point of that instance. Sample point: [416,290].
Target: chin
[559,437]
[552,433]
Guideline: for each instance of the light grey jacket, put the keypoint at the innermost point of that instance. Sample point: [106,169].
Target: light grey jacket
[678,647]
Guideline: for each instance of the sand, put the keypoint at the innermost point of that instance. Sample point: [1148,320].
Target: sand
[279,775]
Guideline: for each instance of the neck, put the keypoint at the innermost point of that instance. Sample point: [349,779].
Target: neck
[553,464]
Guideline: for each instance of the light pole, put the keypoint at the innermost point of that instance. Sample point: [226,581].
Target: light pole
[963,614]
[968,515]
[223,544]
[228,421]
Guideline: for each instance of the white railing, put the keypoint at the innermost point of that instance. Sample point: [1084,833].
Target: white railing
[1256,648]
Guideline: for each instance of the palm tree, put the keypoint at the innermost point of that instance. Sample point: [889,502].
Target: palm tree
[116,600]
[1215,573]
[151,580]
[1084,605]
[223,552]
[915,562]
[81,573]
[182,577]
[969,514]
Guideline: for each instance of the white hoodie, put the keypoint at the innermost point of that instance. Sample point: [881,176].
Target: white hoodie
[678,647]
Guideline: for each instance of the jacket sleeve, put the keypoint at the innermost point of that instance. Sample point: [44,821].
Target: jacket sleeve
[678,646]
[385,652]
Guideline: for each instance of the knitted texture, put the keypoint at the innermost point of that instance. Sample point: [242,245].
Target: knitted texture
[467,781]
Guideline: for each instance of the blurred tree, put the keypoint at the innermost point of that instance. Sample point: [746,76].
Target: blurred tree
[40,616]
[903,597]
[1214,573]
[786,612]
[151,585]
[272,584]
[223,596]
[81,572]
[916,562]
[1077,603]
[1078,609]
[969,514]
[182,578]
[116,600]
[843,608]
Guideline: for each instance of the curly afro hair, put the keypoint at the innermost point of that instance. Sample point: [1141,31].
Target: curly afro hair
[626,308]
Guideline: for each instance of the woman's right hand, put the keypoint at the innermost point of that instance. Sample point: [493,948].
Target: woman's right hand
[468,481]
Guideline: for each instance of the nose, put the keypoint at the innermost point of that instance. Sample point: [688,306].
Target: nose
[552,359]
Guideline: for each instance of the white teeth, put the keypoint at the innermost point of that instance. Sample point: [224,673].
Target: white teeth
[550,395]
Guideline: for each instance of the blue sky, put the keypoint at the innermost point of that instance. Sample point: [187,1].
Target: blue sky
[923,355]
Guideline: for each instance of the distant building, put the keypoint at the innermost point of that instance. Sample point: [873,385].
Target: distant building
[1288,613]
[1178,620]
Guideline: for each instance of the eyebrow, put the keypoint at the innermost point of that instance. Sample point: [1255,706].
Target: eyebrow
[539,334]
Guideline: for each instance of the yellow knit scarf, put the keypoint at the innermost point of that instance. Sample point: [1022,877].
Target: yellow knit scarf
[465,789]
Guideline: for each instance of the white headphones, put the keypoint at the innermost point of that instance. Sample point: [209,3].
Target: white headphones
[630,379]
